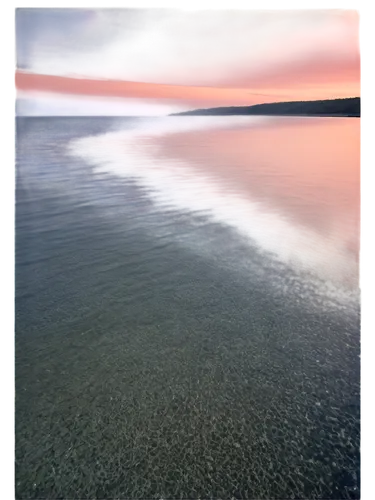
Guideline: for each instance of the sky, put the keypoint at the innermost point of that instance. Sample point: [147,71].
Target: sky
[159,61]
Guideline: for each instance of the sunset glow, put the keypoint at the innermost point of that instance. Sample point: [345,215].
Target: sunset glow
[188,60]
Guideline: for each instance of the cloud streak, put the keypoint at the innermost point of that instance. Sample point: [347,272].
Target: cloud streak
[193,58]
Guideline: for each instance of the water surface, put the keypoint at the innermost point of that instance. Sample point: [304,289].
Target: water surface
[187,307]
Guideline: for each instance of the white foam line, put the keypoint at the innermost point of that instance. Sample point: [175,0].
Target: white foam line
[174,184]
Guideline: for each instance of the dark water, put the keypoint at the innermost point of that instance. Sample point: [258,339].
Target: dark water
[187,311]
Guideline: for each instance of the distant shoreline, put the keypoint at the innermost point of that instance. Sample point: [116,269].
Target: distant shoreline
[296,115]
[349,108]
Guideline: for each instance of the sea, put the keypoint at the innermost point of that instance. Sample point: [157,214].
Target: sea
[187,309]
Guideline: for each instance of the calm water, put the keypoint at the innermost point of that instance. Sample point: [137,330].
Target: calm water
[187,308]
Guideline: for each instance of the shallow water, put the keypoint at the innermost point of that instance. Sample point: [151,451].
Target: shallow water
[187,307]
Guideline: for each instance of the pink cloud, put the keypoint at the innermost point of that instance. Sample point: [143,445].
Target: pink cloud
[227,59]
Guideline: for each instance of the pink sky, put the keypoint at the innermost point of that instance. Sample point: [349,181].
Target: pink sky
[184,60]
